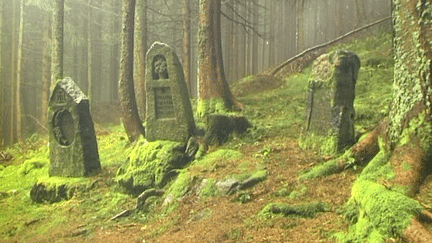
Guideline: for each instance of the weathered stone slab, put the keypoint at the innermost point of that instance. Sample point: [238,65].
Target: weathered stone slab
[73,145]
[169,112]
[330,97]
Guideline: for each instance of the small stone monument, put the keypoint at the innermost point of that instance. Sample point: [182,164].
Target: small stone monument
[330,97]
[73,145]
[169,112]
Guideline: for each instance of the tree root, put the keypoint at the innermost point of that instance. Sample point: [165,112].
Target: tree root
[360,154]
[416,233]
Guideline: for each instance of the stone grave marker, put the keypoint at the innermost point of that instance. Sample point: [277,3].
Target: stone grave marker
[168,109]
[72,139]
[330,97]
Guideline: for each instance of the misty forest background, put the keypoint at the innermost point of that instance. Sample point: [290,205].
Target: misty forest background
[256,36]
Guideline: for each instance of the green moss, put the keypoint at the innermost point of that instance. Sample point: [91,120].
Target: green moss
[181,185]
[210,106]
[419,128]
[304,211]
[378,168]
[113,146]
[328,168]
[260,175]
[149,164]
[326,145]
[209,189]
[217,158]
[325,169]
[385,211]
[301,190]
[110,204]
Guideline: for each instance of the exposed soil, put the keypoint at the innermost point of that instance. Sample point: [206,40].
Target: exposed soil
[223,219]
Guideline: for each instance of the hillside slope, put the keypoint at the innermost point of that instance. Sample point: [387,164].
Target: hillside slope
[277,208]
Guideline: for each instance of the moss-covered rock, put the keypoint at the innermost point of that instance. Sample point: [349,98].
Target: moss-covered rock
[303,211]
[55,189]
[151,165]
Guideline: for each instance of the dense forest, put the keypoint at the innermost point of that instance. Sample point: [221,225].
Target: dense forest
[216,121]
[256,35]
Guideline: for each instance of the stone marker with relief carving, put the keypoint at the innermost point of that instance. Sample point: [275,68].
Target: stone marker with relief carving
[168,109]
[73,145]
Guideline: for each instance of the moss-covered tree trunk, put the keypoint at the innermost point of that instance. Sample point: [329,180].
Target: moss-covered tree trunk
[212,82]
[402,161]
[131,119]
[398,152]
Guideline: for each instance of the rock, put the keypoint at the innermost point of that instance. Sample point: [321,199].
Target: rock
[146,194]
[330,98]
[40,193]
[72,139]
[151,165]
[169,112]
[228,186]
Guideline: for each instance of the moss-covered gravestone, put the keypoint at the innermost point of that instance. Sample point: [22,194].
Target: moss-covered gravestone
[169,112]
[73,145]
[330,97]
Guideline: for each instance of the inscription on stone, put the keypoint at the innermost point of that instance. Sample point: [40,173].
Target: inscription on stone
[168,108]
[330,98]
[164,103]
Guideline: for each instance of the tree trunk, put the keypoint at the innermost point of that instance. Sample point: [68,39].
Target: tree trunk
[46,71]
[90,51]
[57,42]
[2,111]
[212,81]
[360,13]
[229,42]
[97,66]
[300,26]
[254,39]
[411,107]
[139,54]
[19,74]
[131,120]
[115,48]
[13,77]
[406,138]
[186,54]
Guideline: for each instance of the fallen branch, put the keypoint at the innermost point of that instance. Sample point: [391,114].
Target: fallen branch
[325,45]
[124,213]
[37,122]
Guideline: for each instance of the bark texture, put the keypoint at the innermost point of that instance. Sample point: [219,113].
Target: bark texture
[186,55]
[212,81]
[46,71]
[19,74]
[131,120]
[139,54]
[57,42]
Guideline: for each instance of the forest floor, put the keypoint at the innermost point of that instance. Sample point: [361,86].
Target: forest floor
[276,107]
